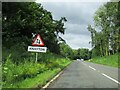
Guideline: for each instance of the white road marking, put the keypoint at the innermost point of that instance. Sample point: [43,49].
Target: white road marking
[110,78]
[52,80]
[92,68]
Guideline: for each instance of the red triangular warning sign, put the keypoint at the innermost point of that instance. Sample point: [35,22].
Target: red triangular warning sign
[38,41]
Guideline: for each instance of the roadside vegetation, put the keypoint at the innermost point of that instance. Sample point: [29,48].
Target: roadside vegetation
[29,74]
[21,71]
[111,60]
[105,36]
[105,32]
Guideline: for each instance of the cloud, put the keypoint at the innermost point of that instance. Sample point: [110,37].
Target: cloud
[75,12]
[79,15]
[77,29]
[77,41]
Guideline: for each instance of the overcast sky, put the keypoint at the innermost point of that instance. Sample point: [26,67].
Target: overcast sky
[78,15]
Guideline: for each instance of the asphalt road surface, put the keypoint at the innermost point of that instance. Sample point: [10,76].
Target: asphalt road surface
[81,74]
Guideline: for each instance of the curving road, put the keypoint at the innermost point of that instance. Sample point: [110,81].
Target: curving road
[81,74]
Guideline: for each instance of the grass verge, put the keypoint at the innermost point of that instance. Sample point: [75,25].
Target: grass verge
[111,60]
[38,81]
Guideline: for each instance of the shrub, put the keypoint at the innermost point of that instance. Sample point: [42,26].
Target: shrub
[8,70]
[13,73]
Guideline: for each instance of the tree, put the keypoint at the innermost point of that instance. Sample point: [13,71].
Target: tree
[92,31]
[83,53]
[66,51]
[21,19]
[106,20]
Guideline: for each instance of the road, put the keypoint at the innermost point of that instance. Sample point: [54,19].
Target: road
[81,74]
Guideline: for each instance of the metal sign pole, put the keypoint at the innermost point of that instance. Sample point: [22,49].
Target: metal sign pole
[36,57]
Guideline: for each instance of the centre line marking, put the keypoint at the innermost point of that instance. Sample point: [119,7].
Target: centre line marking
[110,78]
[92,68]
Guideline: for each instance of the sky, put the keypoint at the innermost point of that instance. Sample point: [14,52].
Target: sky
[78,15]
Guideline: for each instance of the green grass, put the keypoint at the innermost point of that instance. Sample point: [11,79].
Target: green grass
[111,60]
[39,80]
[35,74]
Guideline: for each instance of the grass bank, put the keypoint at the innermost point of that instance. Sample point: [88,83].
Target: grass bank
[111,60]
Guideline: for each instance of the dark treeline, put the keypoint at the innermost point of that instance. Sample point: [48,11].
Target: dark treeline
[81,53]
[105,33]
[21,19]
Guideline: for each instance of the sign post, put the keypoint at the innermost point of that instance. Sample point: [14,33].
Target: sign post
[37,46]
[36,57]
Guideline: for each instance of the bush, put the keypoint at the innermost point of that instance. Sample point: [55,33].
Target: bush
[13,73]
[57,63]
[8,70]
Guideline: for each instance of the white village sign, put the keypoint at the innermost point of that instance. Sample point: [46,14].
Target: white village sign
[36,49]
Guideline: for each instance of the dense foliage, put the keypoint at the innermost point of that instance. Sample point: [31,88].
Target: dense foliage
[105,34]
[20,20]
[66,50]
[81,53]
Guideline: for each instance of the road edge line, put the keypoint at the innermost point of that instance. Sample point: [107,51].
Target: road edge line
[52,79]
[55,77]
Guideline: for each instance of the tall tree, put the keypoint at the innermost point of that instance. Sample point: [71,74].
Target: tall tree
[21,19]
[106,20]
